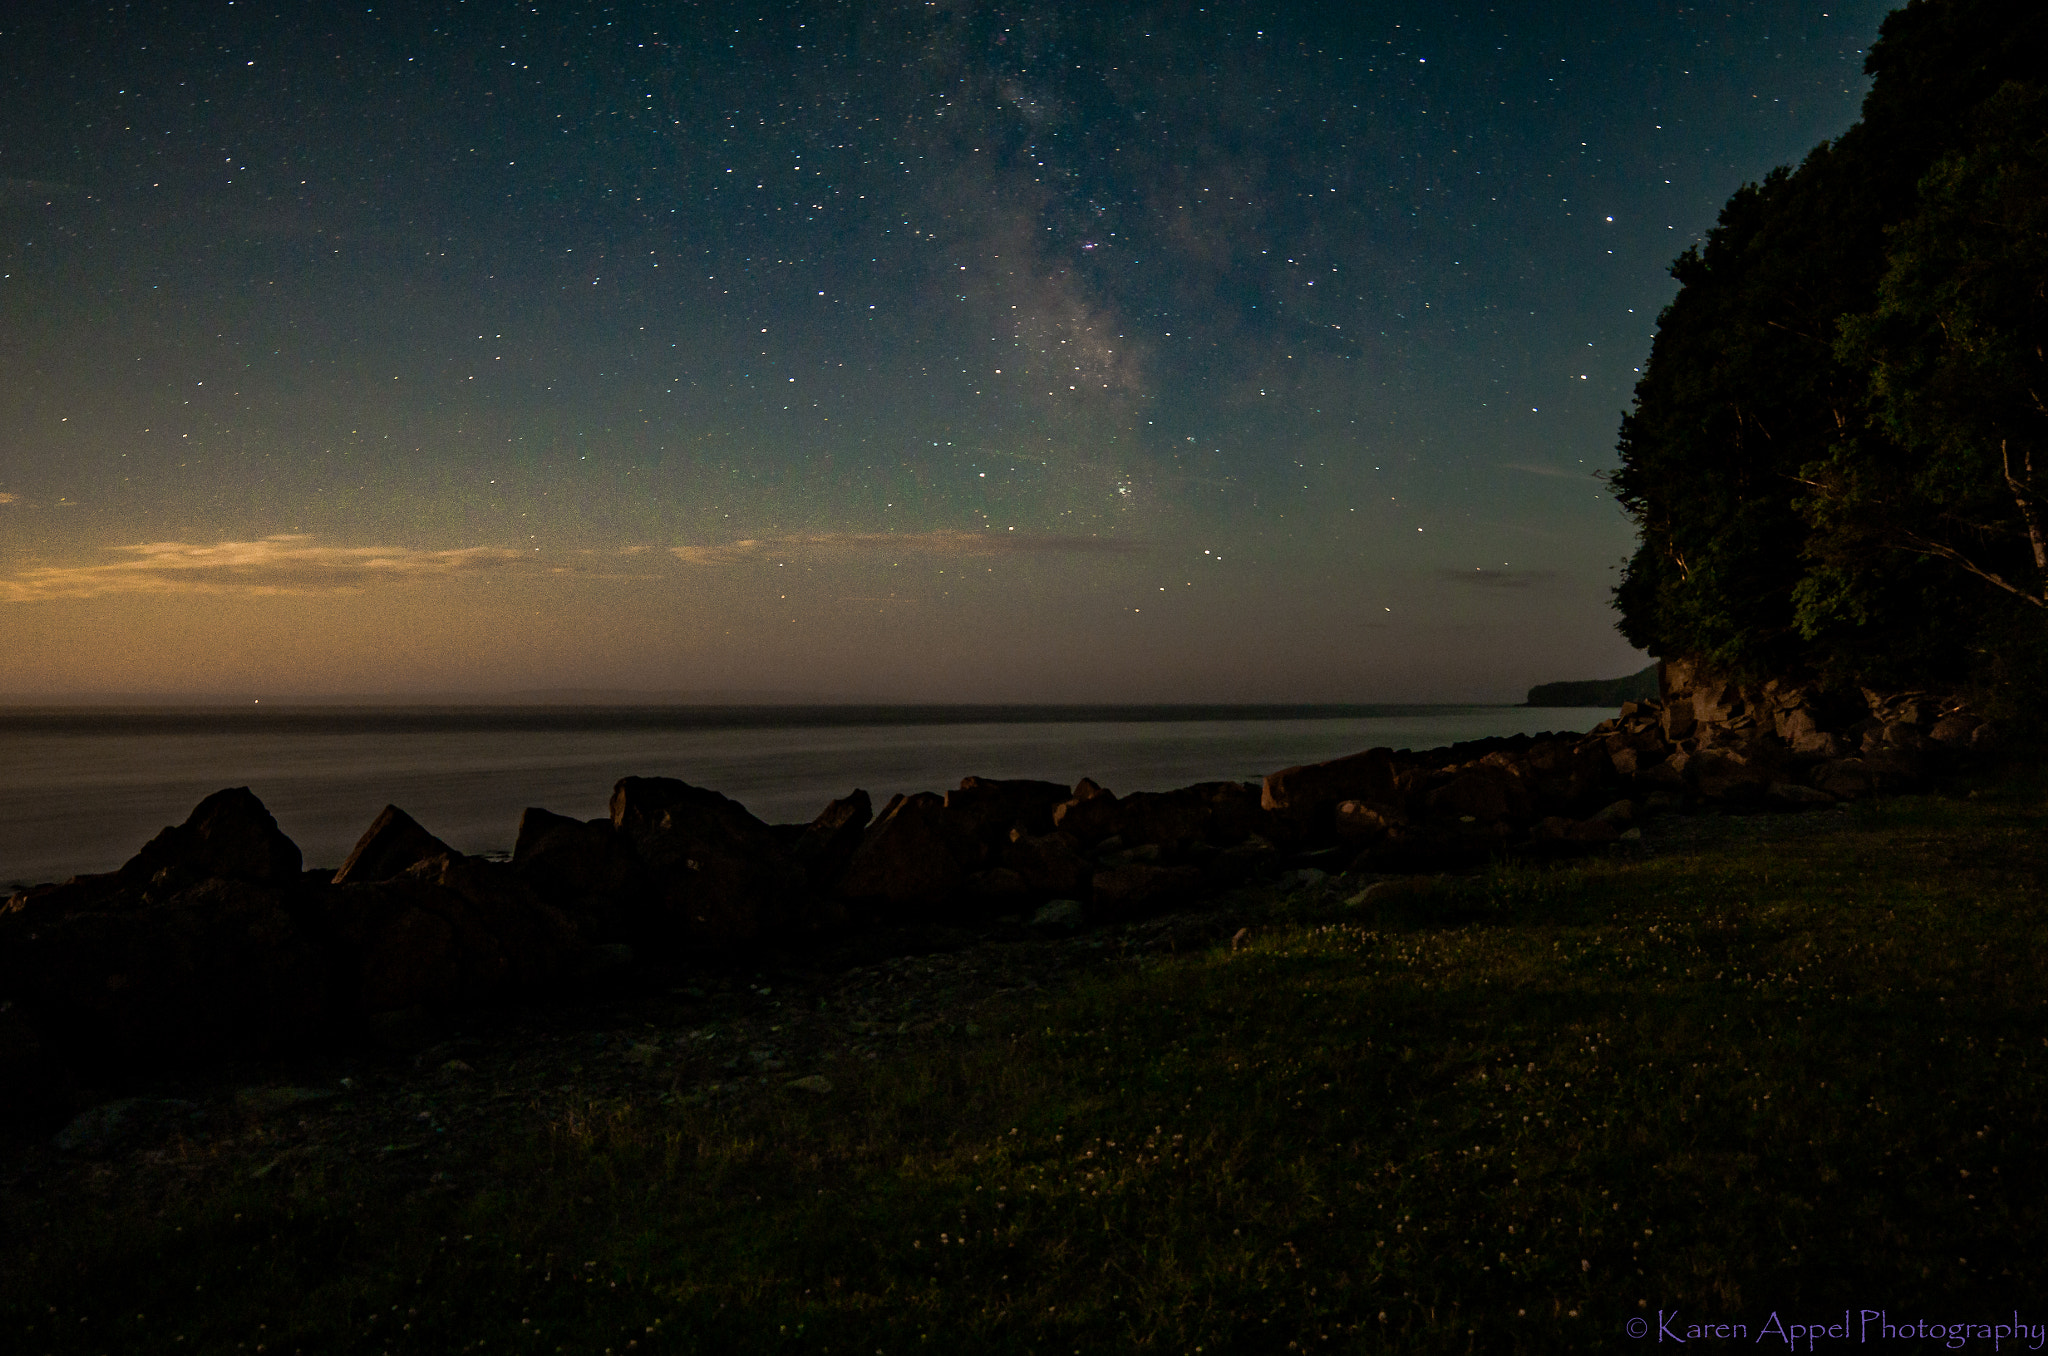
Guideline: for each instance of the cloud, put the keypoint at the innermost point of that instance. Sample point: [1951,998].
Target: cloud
[300,564]
[288,564]
[1527,469]
[940,542]
[1495,579]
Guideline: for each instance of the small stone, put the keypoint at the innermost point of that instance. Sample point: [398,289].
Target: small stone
[109,1126]
[265,1101]
[816,1083]
[1059,915]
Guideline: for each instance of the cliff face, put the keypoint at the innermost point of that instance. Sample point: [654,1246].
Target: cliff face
[1716,733]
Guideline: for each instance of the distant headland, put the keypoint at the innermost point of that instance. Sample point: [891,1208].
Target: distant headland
[1636,687]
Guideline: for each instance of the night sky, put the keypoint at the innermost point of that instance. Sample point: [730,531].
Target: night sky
[921,352]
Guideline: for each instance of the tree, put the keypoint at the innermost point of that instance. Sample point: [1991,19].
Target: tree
[1955,461]
[1806,458]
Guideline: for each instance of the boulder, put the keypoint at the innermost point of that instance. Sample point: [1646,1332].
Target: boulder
[1089,816]
[1894,767]
[1299,795]
[452,932]
[1573,775]
[910,863]
[1240,862]
[1050,865]
[828,842]
[1725,774]
[392,845]
[1581,833]
[1482,793]
[724,880]
[1895,735]
[26,1078]
[983,810]
[228,836]
[588,869]
[1620,813]
[1818,745]
[1793,796]
[100,890]
[1207,812]
[1795,724]
[1128,891]
[1843,778]
[1667,777]
[1359,822]
[1717,703]
[998,890]
[1058,915]
[1954,729]
[222,967]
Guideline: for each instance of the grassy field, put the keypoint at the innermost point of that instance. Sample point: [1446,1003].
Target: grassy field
[1774,1073]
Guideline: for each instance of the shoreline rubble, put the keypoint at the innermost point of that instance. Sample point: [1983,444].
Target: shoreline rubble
[215,943]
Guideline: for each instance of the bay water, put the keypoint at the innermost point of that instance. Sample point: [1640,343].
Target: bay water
[85,787]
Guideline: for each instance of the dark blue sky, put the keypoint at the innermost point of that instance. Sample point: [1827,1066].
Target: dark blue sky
[966,351]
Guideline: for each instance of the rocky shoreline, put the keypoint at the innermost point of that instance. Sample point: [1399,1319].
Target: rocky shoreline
[214,944]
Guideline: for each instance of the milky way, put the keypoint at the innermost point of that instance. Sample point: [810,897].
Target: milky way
[940,352]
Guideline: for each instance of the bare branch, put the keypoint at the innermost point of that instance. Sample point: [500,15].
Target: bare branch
[2022,495]
[1928,547]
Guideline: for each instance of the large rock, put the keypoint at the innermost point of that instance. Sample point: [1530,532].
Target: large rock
[1725,774]
[1843,778]
[983,810]
[1954,729]
[392,845]
[1483,793]
[828,842]
[911,864]
[1089,816]
[588,869]
[1208,812]
[228,836]
[1050,865]
[221,967]
[1358,822]
[726,879]
[26,1076]
[452,932]
[1570,776]
[1303,799]
[1137,888]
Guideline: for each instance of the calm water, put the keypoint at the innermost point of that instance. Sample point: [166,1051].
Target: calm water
[85,788]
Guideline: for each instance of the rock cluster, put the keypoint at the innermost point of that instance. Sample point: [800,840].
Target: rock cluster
[214,942]
[1787,743]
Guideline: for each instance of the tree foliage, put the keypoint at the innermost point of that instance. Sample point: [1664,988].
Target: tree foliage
[1817,457]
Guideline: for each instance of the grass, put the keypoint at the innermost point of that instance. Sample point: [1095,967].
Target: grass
[1509,1112]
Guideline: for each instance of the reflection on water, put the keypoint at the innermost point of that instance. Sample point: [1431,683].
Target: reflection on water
[85,789]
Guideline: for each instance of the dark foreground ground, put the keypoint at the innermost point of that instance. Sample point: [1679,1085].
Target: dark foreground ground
[1753,1072]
